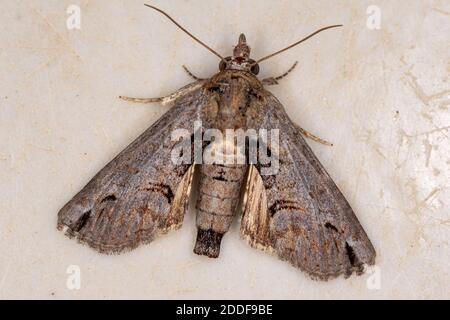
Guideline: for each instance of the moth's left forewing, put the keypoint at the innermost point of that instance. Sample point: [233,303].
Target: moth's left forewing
[299,213]
[141,193]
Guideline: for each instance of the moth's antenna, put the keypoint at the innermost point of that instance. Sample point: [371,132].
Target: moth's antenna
[179,26]
[298,42]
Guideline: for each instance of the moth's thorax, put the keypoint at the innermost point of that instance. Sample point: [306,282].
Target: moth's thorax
[234,93]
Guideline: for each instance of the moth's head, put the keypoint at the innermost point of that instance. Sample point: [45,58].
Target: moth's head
[240,59]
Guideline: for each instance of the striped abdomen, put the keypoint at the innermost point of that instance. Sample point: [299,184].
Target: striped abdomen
[219,194]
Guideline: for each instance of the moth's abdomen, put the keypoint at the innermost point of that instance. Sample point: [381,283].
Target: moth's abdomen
[219,194]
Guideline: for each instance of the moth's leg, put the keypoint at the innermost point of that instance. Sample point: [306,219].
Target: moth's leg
[170,98]
[191,74]
[313,137]
[274,80]
[141,100]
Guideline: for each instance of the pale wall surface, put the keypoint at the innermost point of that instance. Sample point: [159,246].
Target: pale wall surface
[382,96]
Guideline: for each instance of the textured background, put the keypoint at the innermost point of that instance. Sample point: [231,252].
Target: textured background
[382,96]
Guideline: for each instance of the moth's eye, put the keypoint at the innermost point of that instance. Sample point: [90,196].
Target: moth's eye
[222,65]
[255,69]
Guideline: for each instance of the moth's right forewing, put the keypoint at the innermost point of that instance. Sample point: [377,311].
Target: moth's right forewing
[141,193]
[310,223]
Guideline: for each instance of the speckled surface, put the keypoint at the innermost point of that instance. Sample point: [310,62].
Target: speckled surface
[382,96]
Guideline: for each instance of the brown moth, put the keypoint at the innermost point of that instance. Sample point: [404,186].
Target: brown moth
[298,214]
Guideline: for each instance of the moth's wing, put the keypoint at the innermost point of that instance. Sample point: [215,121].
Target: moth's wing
[141,193]
[299,213]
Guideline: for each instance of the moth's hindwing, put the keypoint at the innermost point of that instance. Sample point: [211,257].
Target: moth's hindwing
[141,193]
[299,213]
[255,221]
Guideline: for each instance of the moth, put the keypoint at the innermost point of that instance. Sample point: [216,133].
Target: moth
[298,214]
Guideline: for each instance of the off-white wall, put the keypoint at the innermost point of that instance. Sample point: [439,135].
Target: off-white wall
[382,96]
